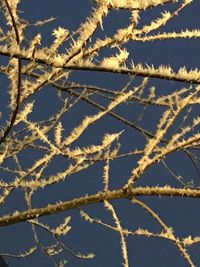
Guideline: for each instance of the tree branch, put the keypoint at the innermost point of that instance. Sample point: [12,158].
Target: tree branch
[22,216]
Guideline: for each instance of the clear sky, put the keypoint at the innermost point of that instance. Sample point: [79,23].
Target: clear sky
[181,214]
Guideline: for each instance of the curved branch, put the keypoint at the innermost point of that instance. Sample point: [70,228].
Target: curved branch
[21,216]
[164,73]
[19,67]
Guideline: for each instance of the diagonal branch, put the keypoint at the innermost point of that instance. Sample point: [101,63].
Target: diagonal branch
[167,191]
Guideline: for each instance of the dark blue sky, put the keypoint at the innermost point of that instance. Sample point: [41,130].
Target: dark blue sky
[180,213]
